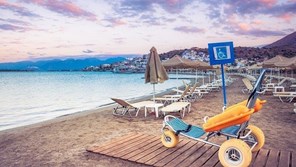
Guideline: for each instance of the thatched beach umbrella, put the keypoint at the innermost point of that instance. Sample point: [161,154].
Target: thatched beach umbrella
[178,62]
[288,63]
[271,63]
[200,65]
[155,72]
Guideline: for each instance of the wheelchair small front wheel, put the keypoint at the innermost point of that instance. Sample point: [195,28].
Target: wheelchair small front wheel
[169,139]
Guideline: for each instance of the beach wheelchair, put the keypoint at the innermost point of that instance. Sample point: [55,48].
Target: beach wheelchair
[242,138]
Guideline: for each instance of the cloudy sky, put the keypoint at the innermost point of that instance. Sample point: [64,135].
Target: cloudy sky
[31,29]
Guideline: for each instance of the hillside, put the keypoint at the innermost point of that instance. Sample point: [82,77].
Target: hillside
[287,41]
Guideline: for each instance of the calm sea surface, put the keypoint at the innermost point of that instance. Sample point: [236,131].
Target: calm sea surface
[31,97]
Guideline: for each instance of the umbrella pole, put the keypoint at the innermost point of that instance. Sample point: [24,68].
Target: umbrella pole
[209,77]
[153,93]
[279,73]
[195,75]
[177,79]
[203,77]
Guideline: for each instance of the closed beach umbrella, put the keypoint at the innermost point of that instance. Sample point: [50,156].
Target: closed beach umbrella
[155,72]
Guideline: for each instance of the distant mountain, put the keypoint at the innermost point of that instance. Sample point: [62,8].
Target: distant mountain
[287,41]
[58,65]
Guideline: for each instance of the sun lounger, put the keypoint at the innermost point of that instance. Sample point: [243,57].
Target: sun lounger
[124,107]
[183,93]
[167,99]
[181,107]
[249,86]
[285,96]
[282,81]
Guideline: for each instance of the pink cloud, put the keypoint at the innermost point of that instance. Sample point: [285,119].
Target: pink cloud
[244,26]
[268,2]
[117,22]
[64,7]
[286,17]
[114,22]
[173,2]
[257,22]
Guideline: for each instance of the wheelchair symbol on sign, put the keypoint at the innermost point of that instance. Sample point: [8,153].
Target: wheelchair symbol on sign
[221,55]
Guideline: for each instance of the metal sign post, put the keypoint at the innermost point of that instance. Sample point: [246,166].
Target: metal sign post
[224,87]
[221,53]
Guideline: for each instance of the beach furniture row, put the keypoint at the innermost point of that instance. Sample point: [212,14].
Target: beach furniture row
[178,102]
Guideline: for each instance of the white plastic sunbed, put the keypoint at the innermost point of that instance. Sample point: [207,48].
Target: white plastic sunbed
[124,107]
[288,96]
[181,107]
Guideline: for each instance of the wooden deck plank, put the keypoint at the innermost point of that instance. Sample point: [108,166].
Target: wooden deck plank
[273,159]
[175,154]
[205,157]
[284,159]
[139,150]
[146,152]
[254,156]
[105,144]
[193,157]
[179,159]
[161,156]
[131,147]
[152,155]
[117,147]
[106,147]
[219,164]
[261,158]
[214,160]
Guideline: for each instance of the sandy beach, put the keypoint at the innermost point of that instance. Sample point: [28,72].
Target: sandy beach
[63,141]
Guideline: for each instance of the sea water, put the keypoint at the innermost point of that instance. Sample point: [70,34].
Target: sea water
[31,97]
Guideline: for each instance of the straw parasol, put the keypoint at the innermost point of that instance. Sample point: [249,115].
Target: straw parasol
[178,62]
[288,63]
[155,72]
[271,63]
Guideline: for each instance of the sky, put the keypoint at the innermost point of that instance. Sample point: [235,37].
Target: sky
[40,29]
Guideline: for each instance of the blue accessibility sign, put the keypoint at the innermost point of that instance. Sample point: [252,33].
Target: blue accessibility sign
[221,53]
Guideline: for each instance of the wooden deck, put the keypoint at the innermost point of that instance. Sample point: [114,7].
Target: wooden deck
[147,149]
